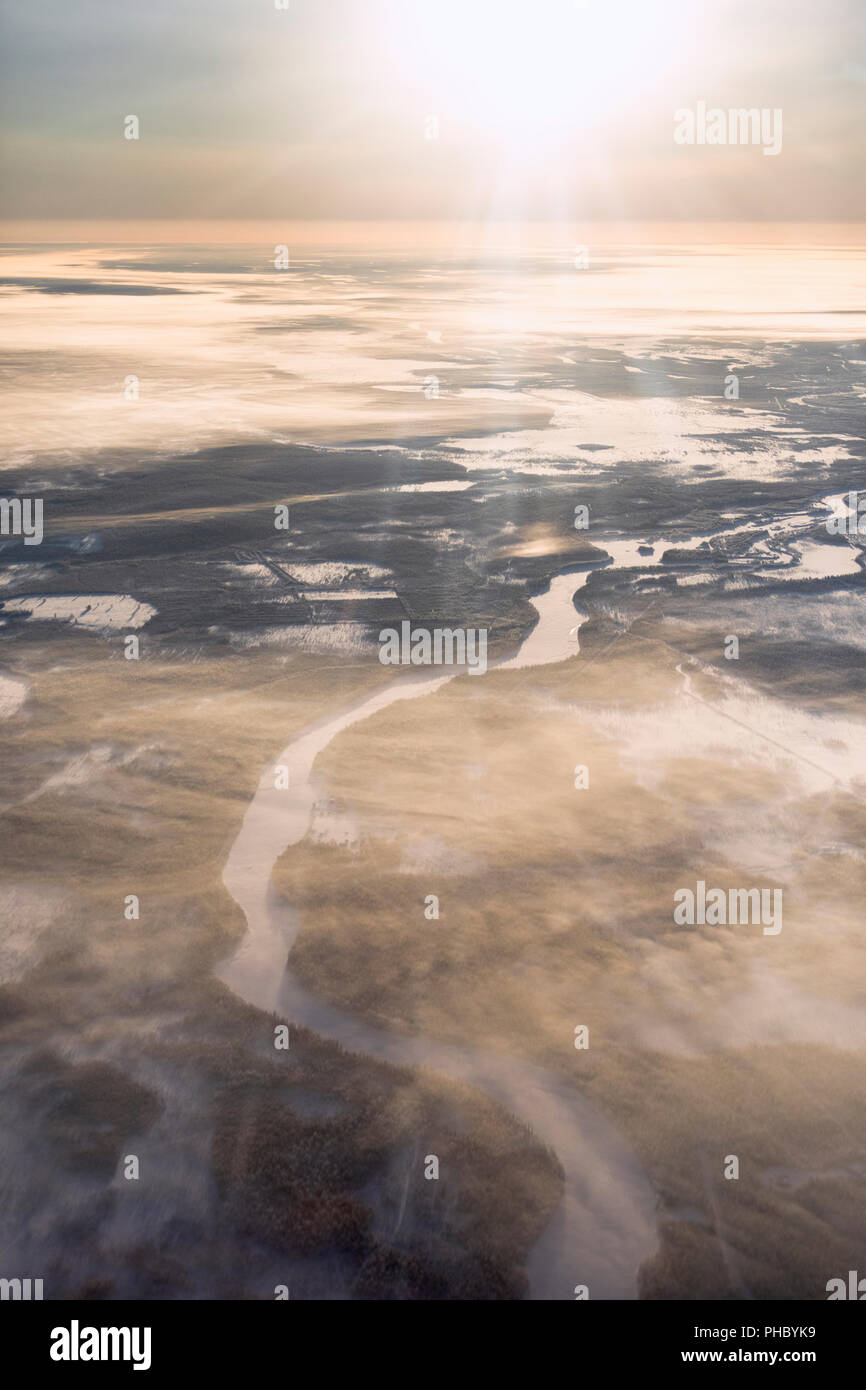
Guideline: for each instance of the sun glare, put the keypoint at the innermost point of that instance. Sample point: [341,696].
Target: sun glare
[538,73]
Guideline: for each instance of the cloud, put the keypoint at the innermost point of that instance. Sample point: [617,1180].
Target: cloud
[251,112]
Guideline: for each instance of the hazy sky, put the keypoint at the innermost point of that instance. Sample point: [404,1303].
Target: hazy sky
[548,108]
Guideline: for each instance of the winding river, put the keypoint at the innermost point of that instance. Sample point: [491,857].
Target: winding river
[604,1227]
